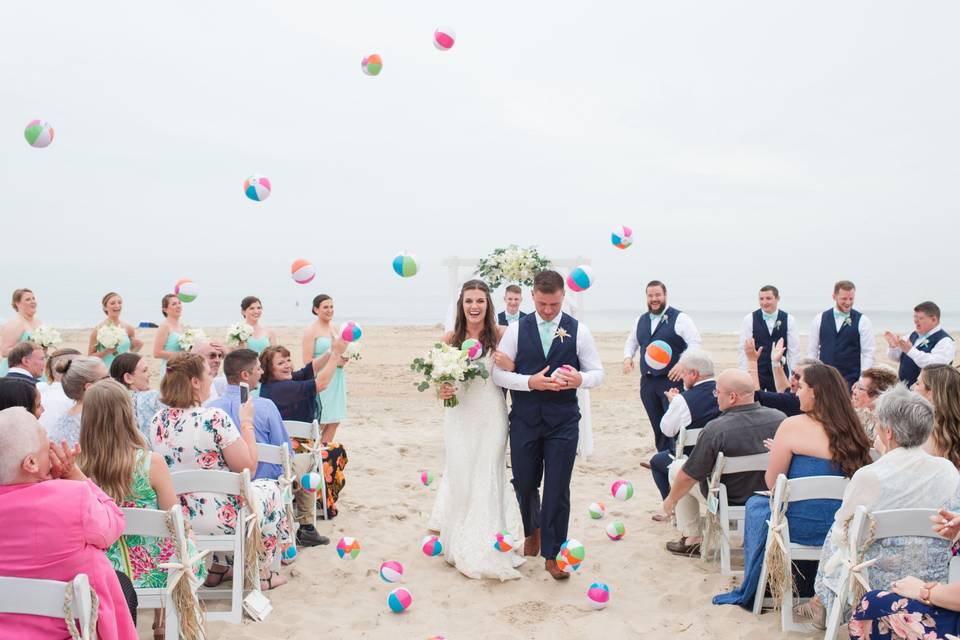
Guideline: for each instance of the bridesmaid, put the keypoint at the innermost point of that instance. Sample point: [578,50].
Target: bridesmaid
[112,305]
[167,341]
[316,341]
[18,328]
[262,337]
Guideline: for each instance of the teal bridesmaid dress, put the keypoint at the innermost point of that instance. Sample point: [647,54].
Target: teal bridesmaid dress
[172,344]
[123,347]
[4,367]
[333,399]
[258,344]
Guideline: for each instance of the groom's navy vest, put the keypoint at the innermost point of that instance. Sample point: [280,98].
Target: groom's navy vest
[841,349]
[552,407]
[764,338]
[909,371]
[666,331]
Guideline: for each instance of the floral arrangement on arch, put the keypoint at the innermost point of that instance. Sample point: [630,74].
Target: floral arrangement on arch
[512,264]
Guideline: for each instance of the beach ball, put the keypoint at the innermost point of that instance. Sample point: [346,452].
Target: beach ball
[257,188]
[186,289]
[580,278]
[431,546]
[399,599]
[473,348]
[351,332]
[302,271]
[443,38]
[622,237]
[391,571]
[621,489]
[658,354]
[405,265]
[372,65]
[504,541]
[39,133]
[348,547]
[426,477]
[596,510]
[571,555]
[289,552]
[616,530]
[599,595]
[310,481]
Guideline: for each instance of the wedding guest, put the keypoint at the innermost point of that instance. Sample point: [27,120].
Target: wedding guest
[55,401]
[865,392]
[18,328]
[243,366]
[50,542]
[940,384]
[133,372]
[20,393]
[826,440]
[662,322]
[166,343]
[928,344]
[213,353]
[785,397]
[842,337]
[190,436]
[26,362]
[78,375]
[262,337]
[512,298]
[765,327]
[318,337]
[112,305]
[740,430]
[692,409]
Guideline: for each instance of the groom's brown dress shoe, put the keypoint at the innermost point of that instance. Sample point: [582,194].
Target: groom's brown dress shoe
[554,570]
[531,544]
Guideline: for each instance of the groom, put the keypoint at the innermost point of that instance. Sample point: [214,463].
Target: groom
[554,355]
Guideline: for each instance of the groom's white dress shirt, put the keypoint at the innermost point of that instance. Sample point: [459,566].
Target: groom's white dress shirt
[683,327]
[591,368]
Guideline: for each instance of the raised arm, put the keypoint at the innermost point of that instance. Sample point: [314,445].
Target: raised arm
[329,367]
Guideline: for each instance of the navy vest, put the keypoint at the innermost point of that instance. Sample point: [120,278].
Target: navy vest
[551,407]
[763,338]
[841,349]
[909,371]
[702,404]
[665,330]
[502,318]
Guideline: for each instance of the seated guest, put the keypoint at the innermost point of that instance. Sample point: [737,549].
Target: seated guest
[55,401]
[906,477]
[692,409]
[20,393]
[213,353]
[189,437]
[928,345]
[785,398]
[865,392]
[740,430]
[38,481]
[940,384]
[825,440]
[26,361]
[133,372]
[77,374]
[243,366]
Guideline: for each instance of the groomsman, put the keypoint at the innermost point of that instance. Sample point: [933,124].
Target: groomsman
[842,337]
[512,298]
[766,326]
[661,322]
[929,344]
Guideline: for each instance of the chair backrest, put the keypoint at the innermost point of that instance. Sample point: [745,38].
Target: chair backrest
[212,481]
[814,488]
[895,523]
[146,522]
[303,430]
[270,453]
[687,438]
[741,464]
[46,598]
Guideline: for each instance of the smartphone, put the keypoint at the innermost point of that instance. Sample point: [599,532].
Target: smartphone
[244,392]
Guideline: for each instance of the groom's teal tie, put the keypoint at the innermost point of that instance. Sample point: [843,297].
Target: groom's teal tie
[546,335]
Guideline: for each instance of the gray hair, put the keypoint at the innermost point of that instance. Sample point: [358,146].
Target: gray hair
[908,415]
[806,362]
[699,360]
[78,373]
[19,437]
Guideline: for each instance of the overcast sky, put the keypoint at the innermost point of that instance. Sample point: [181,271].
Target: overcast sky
[745,142]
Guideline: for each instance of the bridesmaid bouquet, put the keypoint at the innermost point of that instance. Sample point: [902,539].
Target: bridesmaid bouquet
[444,364]
[353,351]
[191,337]
[109,336]
[239,332]
[45,336]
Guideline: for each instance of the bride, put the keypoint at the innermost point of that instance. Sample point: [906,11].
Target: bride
[474,501]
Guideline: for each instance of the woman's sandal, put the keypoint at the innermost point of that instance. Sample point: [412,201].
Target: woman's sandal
[159,632]
[813,611]
[221,576]
[269,581]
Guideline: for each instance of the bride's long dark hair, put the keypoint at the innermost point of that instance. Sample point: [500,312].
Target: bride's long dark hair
[489,336]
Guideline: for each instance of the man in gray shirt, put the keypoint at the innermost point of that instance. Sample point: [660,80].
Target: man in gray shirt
[740,430]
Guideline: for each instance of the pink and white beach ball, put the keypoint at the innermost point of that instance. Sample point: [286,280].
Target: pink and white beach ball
[444,38]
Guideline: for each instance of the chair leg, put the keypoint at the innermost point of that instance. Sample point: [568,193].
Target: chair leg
[762,585]
[836,610]
[323,490]
[171,621]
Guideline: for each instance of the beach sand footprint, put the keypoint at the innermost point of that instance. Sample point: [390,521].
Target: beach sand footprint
[527,614]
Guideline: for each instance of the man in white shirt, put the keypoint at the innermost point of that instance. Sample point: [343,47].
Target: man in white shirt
[842,337]
[929,344]
[765,326]
[512,297]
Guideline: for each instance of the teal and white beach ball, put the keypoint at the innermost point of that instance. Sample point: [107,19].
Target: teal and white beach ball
[580,278]
[405,265]
[257,188]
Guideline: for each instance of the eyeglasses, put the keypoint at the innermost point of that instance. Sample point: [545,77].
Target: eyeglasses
[795,376]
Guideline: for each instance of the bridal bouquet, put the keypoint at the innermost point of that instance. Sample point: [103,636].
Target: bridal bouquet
[239,332]
[191,337]
[109,336]
[512,264]
[353,351]
[45,336]
[444,364]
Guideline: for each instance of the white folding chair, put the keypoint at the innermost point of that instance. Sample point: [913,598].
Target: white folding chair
[274,454]
[785,493]
[311,431]
[893,523]
[229,483]
[686,438]
[731,517]
[47,598]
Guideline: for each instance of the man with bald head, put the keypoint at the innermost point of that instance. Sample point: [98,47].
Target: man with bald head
[739,430]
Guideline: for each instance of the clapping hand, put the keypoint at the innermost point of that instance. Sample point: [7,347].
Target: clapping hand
[776,355]
[750,350]
[63,462]
[768,443]
[946,524]
[542,382]
[892,339]
[568,377]
[672,393]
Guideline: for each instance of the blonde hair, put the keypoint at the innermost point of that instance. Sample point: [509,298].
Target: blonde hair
[176,389]
[106,299]
[944,384]
[18,296]
[109,439]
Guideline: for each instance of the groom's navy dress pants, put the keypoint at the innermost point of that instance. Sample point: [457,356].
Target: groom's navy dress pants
[539,449]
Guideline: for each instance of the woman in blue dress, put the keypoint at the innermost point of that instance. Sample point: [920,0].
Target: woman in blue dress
[112,305]
[262,337]
[167,341]
[317,338]
[18,328]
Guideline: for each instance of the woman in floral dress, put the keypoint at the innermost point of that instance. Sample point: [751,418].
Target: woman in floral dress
[190,437]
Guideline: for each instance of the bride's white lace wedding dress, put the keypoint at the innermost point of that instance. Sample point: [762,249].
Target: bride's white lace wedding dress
[475,500]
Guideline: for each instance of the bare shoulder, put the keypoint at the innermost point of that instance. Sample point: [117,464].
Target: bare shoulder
[794,424]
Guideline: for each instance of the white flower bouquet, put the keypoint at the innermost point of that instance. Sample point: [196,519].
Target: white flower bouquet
[512,264]
[239,332]
[109,336]
[191,337]
[353,351]
[45,336]
[444,364]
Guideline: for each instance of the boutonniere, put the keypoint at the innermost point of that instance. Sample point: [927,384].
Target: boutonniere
[664,317]
[561,333]
[922,343]
[848,322]
[777,326]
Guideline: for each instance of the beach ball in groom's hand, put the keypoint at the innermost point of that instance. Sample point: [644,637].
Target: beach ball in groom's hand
[351,332]
[302,271]
[405,265]
[257,188]
[658,355]
[571,555]
[399,600]
[186,290]
[622,237]
[431,546]
[348,547]
[580,278]
[621,490]
[38,133]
